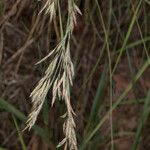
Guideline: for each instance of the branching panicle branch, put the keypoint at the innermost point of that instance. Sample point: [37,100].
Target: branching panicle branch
[58,76]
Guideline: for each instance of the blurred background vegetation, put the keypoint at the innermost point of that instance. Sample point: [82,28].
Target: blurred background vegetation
[110,49]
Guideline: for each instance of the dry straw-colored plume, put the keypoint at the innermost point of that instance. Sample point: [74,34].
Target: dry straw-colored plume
[58,76]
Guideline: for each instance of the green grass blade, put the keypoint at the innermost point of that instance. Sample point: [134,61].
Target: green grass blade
[118,101]
[142,122]
[2,148]
[136,43]
[98,97]
[97,102]
[45,112]
[147,1]
[19,134]
[11,109]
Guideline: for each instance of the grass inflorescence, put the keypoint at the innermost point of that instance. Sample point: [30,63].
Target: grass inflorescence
[58,76]
[90,86]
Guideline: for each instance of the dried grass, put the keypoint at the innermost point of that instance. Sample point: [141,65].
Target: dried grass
[58,76]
